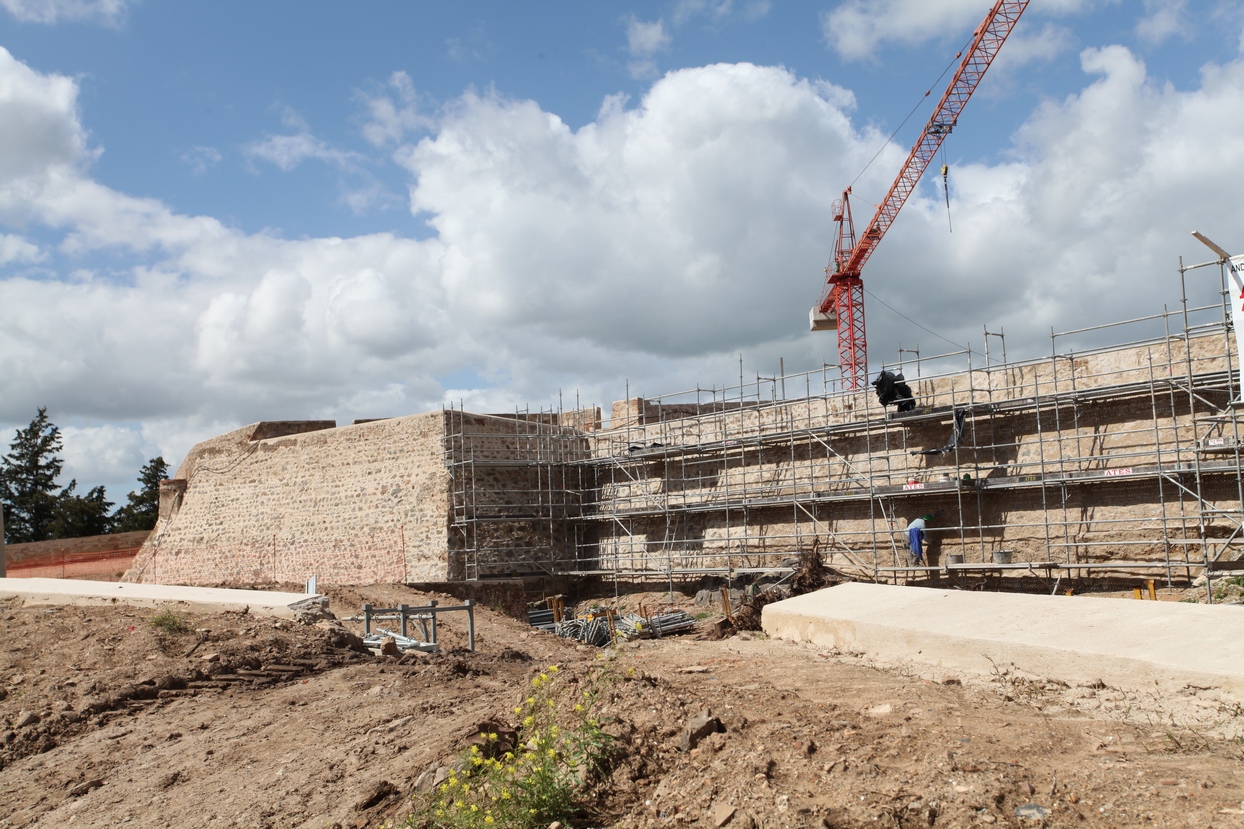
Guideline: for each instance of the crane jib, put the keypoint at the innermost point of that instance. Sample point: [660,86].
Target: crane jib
[841,307]
[989,39]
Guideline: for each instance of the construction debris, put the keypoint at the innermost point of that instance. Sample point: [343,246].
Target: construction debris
[602,627]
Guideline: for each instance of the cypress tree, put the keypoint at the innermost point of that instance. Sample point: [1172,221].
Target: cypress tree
[28,481]
[144,506]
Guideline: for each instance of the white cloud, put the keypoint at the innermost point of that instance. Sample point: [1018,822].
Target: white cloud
[1164,19]
[685,10]
[718,11]
[393,112]
[102,454]
[40,129]
[644,39]
[756,9]
[361,191]
[16,249]
[199,159]
[856,28]
[288,151]
[655,243]
[107,12]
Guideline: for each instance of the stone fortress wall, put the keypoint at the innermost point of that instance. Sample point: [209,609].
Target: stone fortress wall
[285,501]
[1115,456]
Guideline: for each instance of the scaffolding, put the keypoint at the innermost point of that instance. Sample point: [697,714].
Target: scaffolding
[517,487]
[1120,458]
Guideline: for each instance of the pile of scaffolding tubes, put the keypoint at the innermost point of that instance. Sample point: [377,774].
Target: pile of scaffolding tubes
[601,627]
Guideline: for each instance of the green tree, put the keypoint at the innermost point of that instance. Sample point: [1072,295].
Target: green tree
[80,515]
[28,481]
[144,506]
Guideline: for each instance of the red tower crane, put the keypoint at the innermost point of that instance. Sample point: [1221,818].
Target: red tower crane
[842,305]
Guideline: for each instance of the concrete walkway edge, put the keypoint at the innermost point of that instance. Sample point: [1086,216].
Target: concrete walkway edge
[1138,645]
[190,599]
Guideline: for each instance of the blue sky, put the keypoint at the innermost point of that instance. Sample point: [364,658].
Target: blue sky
[218,213]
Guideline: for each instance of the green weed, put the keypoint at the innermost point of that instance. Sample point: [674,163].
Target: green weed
[560,747]
[169,622]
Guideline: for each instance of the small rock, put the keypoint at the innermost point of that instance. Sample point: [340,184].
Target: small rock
[210,657]
[722,813]
[951,680]
[1031,811]
[26,718]
[743,820]
[699,727]
[389,647]
[428,781]
[341,637]
[381,791]
[83,788]
[1027,788]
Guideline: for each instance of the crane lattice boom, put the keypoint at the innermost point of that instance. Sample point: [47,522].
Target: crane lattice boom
[842,305]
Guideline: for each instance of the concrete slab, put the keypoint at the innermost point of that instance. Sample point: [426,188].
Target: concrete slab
[1124,643]
[190,599]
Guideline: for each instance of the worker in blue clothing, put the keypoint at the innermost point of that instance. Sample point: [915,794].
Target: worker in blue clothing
[915,539]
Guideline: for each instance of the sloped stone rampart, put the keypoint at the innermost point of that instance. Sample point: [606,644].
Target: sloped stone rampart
[360,504]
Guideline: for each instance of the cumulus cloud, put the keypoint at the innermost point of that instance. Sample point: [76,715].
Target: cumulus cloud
[107,12]
[653,244]
[40,130]
[650,201]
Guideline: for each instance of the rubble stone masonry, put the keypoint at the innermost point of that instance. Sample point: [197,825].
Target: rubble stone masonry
[360,504]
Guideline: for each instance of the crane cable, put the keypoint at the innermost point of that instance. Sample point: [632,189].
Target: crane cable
[961,346]
[926,94]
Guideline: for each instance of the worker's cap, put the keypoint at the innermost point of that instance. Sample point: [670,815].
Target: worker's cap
[927,517]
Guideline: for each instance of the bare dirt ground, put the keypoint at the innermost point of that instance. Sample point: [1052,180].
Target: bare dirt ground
[107,721]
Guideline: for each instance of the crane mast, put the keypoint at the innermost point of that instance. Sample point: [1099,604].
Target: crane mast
[841,306]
